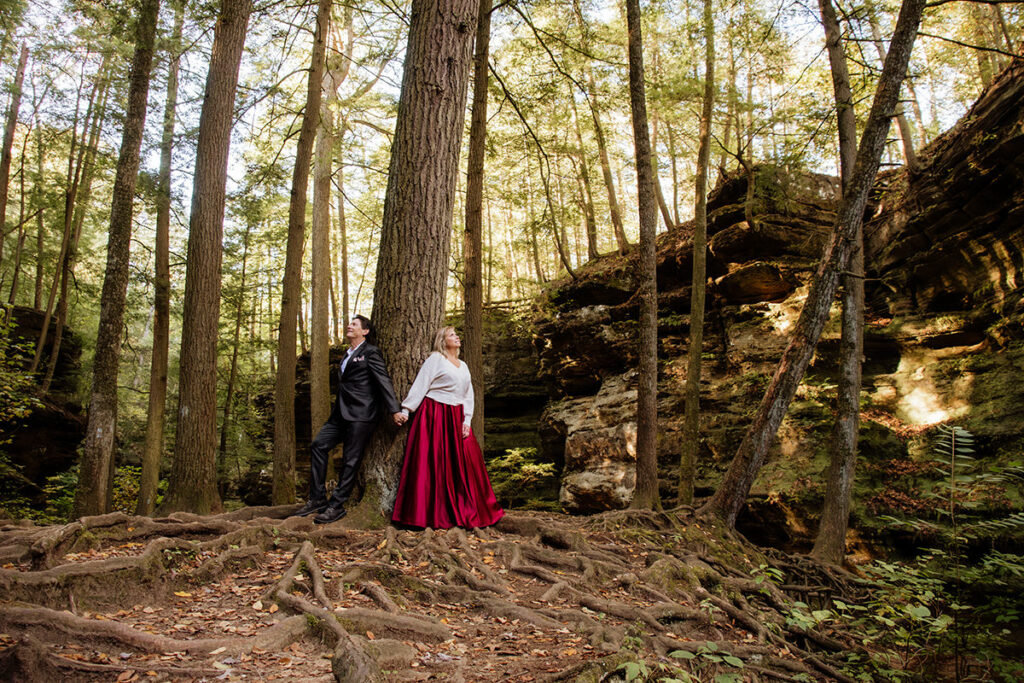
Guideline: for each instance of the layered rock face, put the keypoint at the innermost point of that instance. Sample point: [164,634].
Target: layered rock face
[942,342]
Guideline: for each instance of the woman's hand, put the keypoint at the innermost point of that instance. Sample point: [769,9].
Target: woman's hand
[399,418]
[465,431]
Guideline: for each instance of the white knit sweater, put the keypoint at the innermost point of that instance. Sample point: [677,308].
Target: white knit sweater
[441,381]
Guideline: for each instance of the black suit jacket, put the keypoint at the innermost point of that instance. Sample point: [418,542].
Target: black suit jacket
[363,386]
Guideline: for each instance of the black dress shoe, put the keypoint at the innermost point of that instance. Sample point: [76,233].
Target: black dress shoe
[310,507]
[331,514]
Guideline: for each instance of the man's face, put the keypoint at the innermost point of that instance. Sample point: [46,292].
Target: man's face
[355,332]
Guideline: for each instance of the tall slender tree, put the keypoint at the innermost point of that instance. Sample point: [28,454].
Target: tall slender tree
[830,542]
[473,249]
[153,446]
[320,254]
[192,484]
[646,494]
[291,287]
[731,494]
[96,467]
[698,289]
[8,141]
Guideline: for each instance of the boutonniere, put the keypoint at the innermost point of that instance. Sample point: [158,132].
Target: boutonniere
[360,359]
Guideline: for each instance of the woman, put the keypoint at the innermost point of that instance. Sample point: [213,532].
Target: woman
[444,482]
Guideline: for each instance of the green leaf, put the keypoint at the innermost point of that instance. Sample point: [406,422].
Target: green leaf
[682,654]
[733,661]
[919,611]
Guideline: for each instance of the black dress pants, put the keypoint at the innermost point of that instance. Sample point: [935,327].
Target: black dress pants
[353,436]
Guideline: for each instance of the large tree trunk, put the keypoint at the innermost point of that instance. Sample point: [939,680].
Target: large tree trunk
[8,143]
[472,349]
[732,492]
[646,494]
[284,391]
[193,479]
[830,543]
[95,478]
[153,446]
[691,393]
[412,269]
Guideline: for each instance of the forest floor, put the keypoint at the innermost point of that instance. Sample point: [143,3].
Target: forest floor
[255,595]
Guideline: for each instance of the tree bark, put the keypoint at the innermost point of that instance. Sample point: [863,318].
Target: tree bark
[830,542]
[472,349]
[193,479]
[153,446]
[731,494]
[8,143]
[646,494]
[412,269]
[691,393]
[284,391]
[95,478]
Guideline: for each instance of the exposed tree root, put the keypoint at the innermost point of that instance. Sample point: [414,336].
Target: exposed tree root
[61,627]
[536,591]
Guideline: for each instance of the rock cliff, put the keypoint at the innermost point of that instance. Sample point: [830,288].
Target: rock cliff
[943,339]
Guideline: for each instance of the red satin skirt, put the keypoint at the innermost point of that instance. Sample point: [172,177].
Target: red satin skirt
[444,482]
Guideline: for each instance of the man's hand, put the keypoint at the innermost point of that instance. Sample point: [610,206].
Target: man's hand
[465,431]
[399,418]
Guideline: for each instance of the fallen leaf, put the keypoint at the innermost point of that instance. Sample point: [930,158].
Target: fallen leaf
[218,651]
[369,634]
[273,608]
[258,605]
[183,594]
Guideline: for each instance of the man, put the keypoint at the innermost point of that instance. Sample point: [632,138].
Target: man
[363,383]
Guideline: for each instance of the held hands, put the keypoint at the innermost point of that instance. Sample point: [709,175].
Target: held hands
[399,418]
[465,431]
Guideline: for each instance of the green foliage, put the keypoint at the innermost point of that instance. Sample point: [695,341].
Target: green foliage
[520,481]
[17,401]
[707,663]
[942,610]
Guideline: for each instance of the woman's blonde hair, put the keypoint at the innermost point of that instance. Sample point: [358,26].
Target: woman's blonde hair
[439,344]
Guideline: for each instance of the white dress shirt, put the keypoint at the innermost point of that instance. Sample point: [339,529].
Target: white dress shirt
[351,350]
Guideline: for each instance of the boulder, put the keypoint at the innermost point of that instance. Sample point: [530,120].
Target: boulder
[597,440]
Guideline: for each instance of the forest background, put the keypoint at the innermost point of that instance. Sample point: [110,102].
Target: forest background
[231,283]
[557,128]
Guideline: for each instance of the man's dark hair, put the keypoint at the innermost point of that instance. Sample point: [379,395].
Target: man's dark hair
[365,322]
